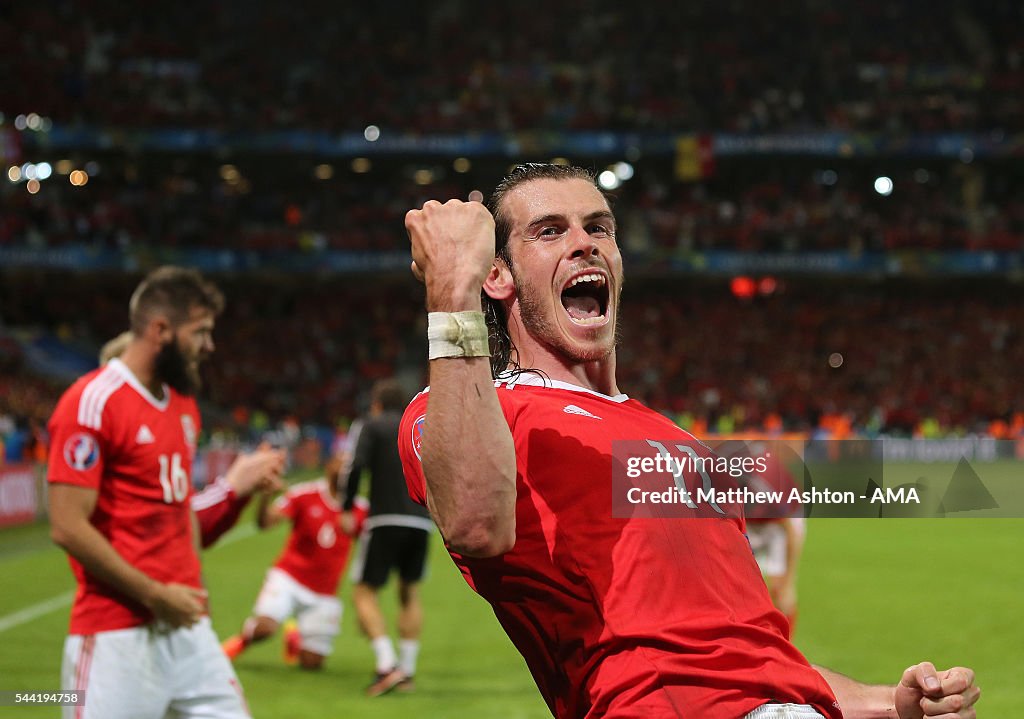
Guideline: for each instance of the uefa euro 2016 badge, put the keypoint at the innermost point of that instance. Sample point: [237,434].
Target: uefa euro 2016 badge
[417,435]
[81,451]
[188,426]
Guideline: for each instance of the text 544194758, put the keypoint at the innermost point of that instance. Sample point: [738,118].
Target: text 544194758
[42,698]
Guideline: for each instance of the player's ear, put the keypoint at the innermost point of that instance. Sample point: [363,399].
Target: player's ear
[160,329]
[499,284]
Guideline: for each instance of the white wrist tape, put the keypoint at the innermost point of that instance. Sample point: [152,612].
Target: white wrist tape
[457,334]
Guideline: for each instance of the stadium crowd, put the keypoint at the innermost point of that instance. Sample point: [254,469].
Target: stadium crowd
[767,206]
[800,65]
[924,359]
[653,66]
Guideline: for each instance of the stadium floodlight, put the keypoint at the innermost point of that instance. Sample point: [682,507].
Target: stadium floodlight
[883,185]
[835,360]
[608,180]
[28,171]
[14,173]
[44,170]
[371,133]
[623,170]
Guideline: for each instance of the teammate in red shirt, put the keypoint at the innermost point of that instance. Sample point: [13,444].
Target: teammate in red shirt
[304,580]
[122,442]
[615,614]
[220,502]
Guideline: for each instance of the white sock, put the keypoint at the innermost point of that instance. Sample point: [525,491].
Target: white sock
[385,651]
[410,649]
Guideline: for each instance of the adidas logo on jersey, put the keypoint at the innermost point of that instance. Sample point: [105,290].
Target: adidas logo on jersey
[144,436]
[573,409]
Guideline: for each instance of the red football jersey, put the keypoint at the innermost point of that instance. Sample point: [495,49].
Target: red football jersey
[110,434]
[638,616]
[217,509]
[317,549]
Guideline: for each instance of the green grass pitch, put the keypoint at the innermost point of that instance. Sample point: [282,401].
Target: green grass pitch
[875,596]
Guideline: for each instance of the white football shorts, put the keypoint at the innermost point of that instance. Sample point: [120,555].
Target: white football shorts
[784,711]
[318,615]
[152,672]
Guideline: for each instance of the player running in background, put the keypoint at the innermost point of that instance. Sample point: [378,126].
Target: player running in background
[220,503]
[615,615]
[303,582]
[123,440]
[395,538]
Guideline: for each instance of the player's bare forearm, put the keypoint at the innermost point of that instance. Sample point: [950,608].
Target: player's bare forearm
[266,515]
[923,691]
[70,509]
[861,701]
[469,459]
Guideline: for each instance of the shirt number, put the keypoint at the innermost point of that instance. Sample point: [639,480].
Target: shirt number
[173,478]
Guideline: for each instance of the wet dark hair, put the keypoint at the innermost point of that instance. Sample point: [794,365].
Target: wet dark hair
[504,356]
[174,291]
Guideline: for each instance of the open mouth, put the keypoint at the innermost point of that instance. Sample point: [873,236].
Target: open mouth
[585,298]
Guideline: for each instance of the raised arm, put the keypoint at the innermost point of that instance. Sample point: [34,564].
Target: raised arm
[269,514]
[468,456]
[220,503]
[352,465]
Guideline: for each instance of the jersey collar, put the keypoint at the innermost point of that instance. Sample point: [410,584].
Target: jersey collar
[122,369]
[533,379]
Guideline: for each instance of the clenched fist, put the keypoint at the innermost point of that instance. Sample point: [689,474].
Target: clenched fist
[452,252]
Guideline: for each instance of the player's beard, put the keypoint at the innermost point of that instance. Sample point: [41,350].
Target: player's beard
[544,329]
[174,368]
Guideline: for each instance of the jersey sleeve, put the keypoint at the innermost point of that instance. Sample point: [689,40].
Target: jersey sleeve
[77,449]
[410,440]
[217,508]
